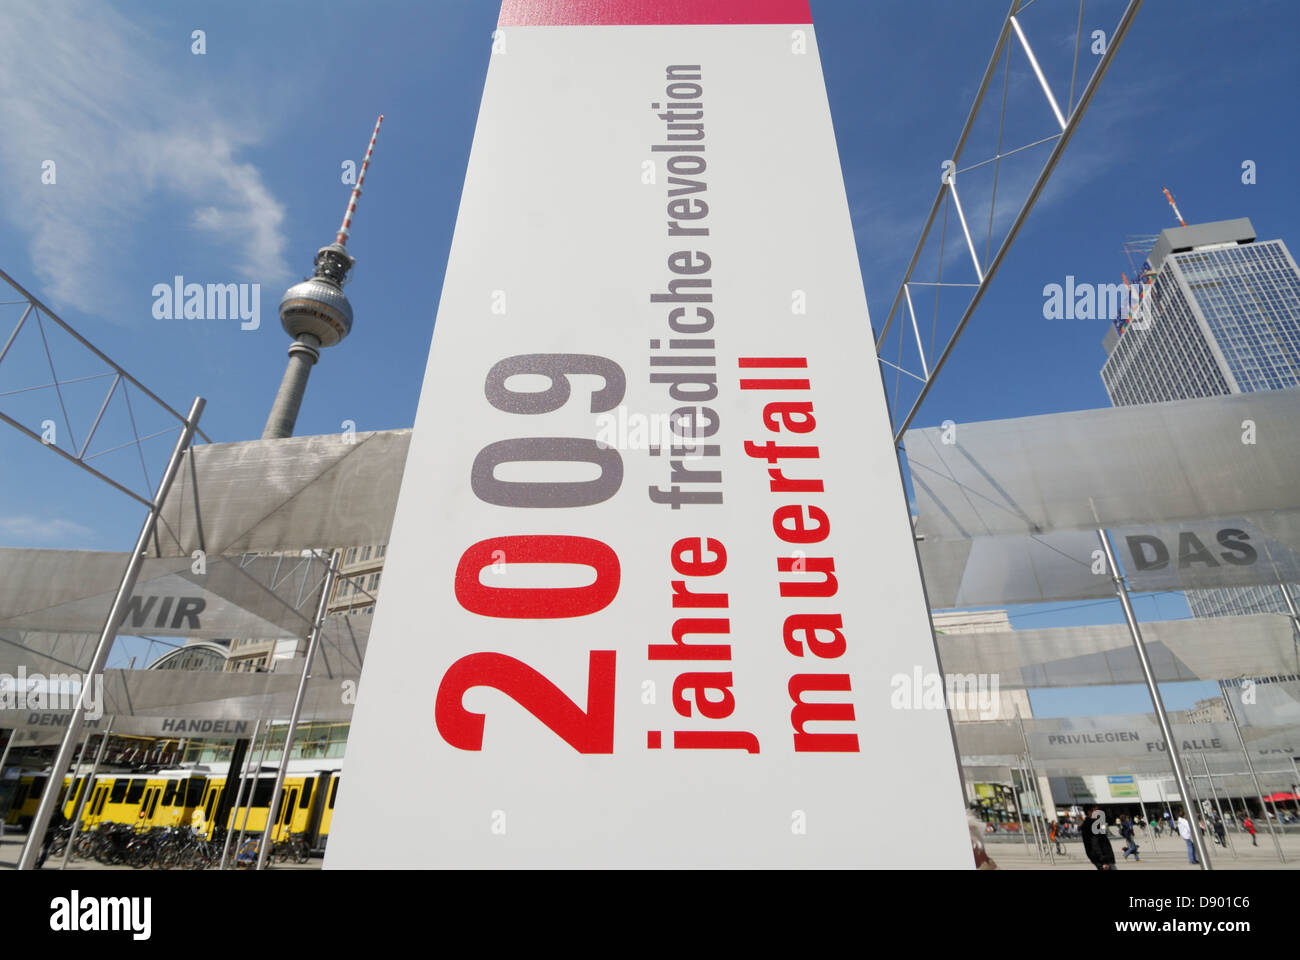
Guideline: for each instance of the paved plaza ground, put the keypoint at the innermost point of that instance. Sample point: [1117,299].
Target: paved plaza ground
[1009,853]
[1163,853]
[11,846]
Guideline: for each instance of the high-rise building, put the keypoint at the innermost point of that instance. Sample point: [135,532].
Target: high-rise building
[1221,314]
[1212,710]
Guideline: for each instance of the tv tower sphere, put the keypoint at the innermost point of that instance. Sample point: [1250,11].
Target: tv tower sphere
[318,306]
[316,313]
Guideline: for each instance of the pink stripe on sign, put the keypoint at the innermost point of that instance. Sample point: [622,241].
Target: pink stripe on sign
[535,13]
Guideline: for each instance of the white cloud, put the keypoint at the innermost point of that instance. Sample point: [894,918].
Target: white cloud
[29,528]
[82,85]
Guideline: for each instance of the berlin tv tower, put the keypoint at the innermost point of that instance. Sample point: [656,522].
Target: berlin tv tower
[316,313]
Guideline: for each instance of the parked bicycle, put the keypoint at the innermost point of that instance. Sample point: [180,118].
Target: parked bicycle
[293,849]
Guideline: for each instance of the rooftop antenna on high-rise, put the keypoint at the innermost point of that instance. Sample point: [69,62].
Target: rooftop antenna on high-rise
[316,313]
[1170,197]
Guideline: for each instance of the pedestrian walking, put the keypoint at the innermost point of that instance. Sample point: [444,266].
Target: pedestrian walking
[1185,831]
[1220,834]
[1249,824]
[1096,843]
[1130,845]
[1056,836]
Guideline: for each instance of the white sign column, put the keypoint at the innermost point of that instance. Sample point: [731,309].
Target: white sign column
[652,591]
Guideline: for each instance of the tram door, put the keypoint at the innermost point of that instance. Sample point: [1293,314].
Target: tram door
[210,805]
[96,800]
[316,810]
[150,807]
[284,817]
[96,809]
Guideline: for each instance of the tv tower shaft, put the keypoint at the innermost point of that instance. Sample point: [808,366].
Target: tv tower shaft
[316,313]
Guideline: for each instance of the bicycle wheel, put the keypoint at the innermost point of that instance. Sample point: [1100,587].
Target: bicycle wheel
[139,854]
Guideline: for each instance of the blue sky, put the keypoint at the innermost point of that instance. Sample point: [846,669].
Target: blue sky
[225,167]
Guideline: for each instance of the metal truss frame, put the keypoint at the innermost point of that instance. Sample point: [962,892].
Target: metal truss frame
[948,196]
[37,313]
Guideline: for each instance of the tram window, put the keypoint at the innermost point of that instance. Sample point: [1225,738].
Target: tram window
[119,790]
[194,791]
[212,800]
[20,797]
[135,791]
[334,789]
[37,787]
[154,805]
[262,792]
[305,799]
[169,793]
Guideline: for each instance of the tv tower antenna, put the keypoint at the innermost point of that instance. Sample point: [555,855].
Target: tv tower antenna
[1170,197]
[316,313]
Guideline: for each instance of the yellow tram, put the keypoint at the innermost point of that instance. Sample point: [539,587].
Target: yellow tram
[169,798]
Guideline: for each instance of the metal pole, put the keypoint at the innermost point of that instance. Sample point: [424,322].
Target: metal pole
[252,791]
[1166,728]
[66,793]
[1020,813]
[1236,824]
[1042,810]
[4,758]
[1291,606]
[239,796]
[85,794]
[1215,793]
[1031,780]
[115,616]
[1038,797]
[1150,828]
[1198,808]
[1250,765]
[312,644]
[1040,837]
[1276,818]
[1295,787]
[1033,824]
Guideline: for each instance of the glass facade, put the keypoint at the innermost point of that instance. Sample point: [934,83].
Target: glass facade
[313,741]
[1249,295]
[1223,318]
[1166,357]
